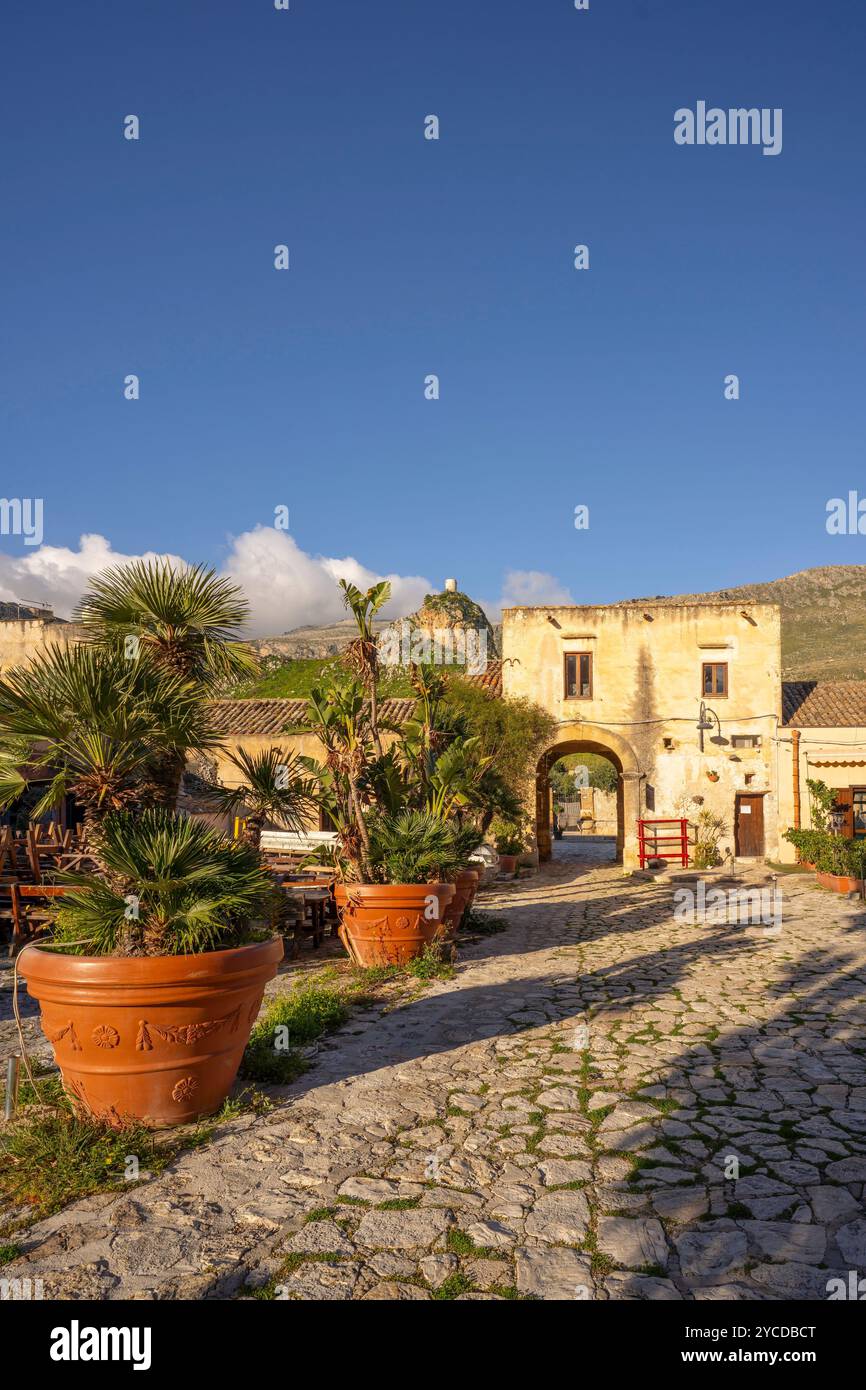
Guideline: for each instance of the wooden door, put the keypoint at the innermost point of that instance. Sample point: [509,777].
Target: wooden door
[749,827]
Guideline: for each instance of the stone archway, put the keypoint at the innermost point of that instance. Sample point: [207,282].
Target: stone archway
[592,738]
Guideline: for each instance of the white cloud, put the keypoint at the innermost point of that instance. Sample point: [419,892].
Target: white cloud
[533,589]
[285,586]
[56,575]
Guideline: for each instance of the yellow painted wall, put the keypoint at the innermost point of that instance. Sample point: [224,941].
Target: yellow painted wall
[647,662]
[21,640]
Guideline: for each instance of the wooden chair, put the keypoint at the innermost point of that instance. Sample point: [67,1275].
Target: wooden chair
[29,922]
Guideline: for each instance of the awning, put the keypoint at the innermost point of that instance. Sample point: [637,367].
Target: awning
[837,762]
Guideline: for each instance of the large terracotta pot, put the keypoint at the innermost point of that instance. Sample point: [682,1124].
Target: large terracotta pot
[151,1038]
[465,887]
[390,924]
[839,883]
[508,864]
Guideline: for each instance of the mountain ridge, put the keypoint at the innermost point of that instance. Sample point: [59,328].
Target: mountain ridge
[823,622]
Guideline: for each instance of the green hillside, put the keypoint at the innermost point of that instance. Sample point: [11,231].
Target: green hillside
[823,620]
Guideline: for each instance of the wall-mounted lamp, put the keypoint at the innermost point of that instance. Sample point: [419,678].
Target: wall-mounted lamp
[707,719]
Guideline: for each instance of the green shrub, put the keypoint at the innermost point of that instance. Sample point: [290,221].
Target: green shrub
[507,837]
[831,854]
[808,843]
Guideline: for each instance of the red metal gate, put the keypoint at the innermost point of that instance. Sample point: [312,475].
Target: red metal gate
[663,844]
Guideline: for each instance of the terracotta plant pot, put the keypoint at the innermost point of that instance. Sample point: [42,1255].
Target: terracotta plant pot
[151,1038]
[388,924]
[839,883]
[473,888]
[465,887]
[508,864]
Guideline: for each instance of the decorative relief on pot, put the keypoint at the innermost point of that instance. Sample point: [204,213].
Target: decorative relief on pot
[68,1031]
[184,1089]
[402,923]
[187,1033]
[77,1094]
[105,1036]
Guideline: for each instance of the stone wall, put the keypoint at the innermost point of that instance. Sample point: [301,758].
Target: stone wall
[21,640]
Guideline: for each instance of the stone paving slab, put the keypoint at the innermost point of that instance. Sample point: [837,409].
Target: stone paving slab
[605,1103]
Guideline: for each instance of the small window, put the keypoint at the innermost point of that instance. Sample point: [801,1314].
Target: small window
[745,740]
[858,798]
[668,743]
[715,678]
[578,676]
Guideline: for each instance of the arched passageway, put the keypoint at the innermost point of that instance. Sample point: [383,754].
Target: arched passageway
[590,738]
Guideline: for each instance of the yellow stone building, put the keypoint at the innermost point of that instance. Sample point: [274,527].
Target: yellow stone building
[631,681]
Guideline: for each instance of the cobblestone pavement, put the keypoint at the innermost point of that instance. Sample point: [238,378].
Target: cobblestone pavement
[565,1119]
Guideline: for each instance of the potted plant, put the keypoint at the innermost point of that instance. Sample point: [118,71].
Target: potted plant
[393,918]
[276,786]
[150,1005]
[509,845]
[840,864]
[161,956]
[808,844]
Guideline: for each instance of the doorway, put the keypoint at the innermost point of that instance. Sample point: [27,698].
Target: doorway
[749,826]
[624,801]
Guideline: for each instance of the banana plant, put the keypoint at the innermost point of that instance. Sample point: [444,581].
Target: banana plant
[362,654]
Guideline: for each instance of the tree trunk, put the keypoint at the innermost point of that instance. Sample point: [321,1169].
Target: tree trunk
[363,832]
[166,775]
[374,711]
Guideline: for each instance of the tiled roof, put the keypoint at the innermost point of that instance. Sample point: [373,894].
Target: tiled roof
[490,679]
[824,704]
[266,717]
[249,718]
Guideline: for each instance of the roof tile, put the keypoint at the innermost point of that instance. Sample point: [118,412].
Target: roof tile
[263,718]
[824,704]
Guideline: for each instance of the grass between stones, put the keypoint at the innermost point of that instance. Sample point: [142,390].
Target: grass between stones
[321,1004]
[50,1155]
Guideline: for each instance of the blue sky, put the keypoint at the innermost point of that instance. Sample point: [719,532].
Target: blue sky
[306,388]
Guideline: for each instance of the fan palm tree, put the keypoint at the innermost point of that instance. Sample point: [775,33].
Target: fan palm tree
[99,726]
[276,786]
[167,884]
[184,621]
